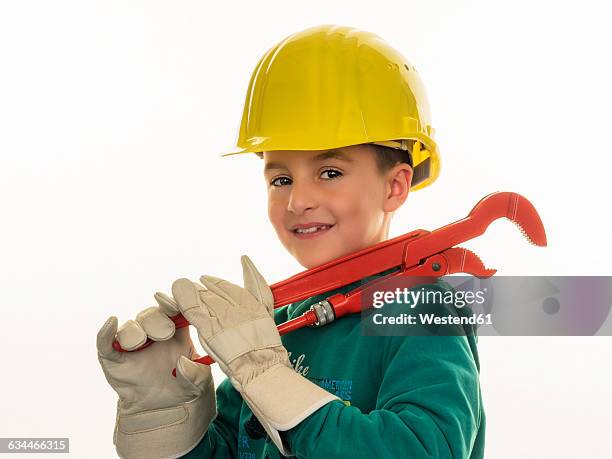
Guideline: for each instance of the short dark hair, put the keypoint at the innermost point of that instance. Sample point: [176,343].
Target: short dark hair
[387,157]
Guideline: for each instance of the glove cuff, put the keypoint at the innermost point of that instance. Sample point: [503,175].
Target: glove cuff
[164,433]
[281,398]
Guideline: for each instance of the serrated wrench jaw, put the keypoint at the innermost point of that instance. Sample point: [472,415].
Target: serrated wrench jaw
[516,208]
[461,260]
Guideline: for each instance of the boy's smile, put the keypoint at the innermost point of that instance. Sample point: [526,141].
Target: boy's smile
[311,230]
[324,204]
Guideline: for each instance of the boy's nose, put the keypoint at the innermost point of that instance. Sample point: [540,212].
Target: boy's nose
[301,199]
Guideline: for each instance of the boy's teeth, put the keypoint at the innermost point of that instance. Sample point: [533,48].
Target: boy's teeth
[311,230]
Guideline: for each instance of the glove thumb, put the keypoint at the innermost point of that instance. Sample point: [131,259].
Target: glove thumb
[193,377]
[255,283]
[105,338]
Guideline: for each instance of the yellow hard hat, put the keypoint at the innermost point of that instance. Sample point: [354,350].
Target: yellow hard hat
[331,86]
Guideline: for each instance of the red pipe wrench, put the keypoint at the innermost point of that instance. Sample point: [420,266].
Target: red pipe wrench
[419,254]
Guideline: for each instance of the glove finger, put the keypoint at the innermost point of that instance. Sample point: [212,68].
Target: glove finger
[187,296]
[167,305]
[217,306]
[230,292]
[131,335]
[255,283]
[105,338]
[193,377]
[156,324]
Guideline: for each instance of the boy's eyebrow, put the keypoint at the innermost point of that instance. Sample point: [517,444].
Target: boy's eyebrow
[331,154]
[337,154]
[270,166]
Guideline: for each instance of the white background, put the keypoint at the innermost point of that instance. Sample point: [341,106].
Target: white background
[112,117]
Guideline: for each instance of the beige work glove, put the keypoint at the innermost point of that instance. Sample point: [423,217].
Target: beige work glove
[236,328]
[158,415]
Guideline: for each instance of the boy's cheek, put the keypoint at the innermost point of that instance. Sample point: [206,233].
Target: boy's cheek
[276,218]
[278,223]
[275,212]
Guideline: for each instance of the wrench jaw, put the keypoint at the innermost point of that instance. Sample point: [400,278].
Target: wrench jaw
[528,221]
[465,261]
[515,208]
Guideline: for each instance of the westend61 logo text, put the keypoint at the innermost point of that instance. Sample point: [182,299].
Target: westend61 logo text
[413,297]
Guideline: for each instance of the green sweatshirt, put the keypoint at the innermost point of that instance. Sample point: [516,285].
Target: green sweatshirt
[402,396]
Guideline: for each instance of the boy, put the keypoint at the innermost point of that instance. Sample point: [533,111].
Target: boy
[341,121]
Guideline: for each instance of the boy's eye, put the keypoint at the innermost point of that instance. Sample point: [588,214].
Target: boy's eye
[281,181]
[327,174]
[331,174]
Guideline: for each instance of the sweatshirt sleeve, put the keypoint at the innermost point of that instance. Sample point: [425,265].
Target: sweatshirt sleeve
[221,440]
[428,405]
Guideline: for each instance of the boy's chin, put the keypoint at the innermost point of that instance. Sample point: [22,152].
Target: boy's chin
[312,260]
[308,264]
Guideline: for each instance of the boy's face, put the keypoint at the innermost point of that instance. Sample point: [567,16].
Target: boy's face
[324,204]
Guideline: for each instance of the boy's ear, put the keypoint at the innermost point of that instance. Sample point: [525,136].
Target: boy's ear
[398,186]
